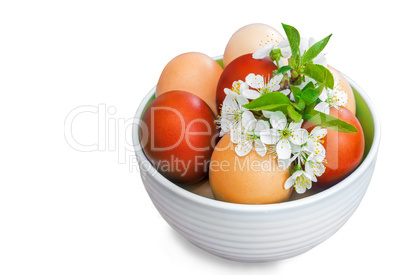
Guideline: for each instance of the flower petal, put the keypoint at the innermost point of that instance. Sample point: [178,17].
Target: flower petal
[299,136]
[229,105]
[318,132]
[289,182]
[309,169]
[260,147]
[225,127]
[243,148]
[274,83]
[236,133]
[311,41]
[261,126]
[270,136]
[286,52]
[318,154]
[278,120]
[242,101]
[255,81]
[248,120]
[231,93]
[283,44]
[243,86]
[264,52]
[284,163]
[319,168]
[324,95]
[251,94]
[283,149]
[297,174]
[295,125]
[322,107]
[341,98]
[321,60]
[303,44]
[267,114]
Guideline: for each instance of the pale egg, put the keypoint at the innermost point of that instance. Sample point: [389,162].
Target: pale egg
[345,86]
[249,39]
[250,179]
[192,72]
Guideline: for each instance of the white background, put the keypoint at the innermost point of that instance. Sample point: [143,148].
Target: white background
[63,211]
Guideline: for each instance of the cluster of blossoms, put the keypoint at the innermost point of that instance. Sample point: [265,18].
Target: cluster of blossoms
[274,132]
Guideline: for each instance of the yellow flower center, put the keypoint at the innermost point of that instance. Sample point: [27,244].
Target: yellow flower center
[236,88]
[302,182]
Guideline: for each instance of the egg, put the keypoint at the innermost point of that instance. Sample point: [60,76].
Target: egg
[201,188]
[345,86]
[249,39]
[344,151]
[239,69]
[178,136]
[250,179]
[192,72]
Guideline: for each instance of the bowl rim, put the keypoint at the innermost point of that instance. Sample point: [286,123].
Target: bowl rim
[227,206]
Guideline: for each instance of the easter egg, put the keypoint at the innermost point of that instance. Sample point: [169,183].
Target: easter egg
[192,72]
[344,151]
[178,136]
[239,69]
[343,85]
[249,39]
[249,179]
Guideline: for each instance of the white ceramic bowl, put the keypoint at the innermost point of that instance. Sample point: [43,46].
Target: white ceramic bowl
[260,233]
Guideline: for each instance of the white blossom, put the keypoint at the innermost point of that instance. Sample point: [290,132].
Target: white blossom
[261,86]
[283,135]
[301,180]
[332,98]
[246,134]
[231,112]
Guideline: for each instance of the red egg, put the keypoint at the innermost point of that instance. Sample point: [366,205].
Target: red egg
[344,151]
[179,136]
[238,69]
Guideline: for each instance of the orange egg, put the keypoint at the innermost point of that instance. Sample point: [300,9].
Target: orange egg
[192,72]
[249,39]
[251,179]
[351,105]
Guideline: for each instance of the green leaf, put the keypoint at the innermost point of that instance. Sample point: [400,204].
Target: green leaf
[320,74]
[299,104]
[309,85]
[268,102]
[294,115]
[311,95]
[293,37]
[329,122]
[315,50]
[275,107]
[296,91]
[283,69]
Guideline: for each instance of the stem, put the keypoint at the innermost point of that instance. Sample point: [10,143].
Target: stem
[277,64]
[295,77]
[257,114]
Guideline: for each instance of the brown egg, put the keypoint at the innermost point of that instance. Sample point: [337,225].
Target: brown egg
[249,39]
[351,105]
[192,72]
[251,179]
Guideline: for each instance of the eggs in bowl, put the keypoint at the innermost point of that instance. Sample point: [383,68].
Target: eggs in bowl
[261,232]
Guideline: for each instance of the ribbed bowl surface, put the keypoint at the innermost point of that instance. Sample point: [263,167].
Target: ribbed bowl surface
[258,233]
